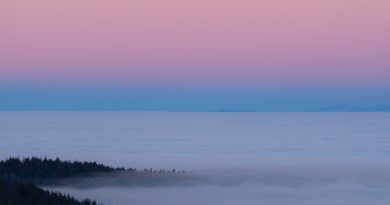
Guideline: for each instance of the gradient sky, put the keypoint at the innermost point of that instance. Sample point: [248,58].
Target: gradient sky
[193,55]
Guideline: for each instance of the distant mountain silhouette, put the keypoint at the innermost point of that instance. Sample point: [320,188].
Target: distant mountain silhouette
[353,108]
[231,110]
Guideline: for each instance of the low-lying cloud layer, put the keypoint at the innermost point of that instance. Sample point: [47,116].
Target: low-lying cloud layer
[358,185]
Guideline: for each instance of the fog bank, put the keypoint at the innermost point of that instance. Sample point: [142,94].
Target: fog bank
[278,185]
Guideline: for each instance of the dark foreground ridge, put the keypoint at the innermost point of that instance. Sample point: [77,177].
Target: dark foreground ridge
[13,193]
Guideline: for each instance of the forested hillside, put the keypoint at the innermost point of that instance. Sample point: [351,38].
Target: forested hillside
[19,176]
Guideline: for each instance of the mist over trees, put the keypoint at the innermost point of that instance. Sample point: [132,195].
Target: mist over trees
[17,178]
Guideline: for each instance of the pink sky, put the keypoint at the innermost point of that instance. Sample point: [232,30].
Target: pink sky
[202,42]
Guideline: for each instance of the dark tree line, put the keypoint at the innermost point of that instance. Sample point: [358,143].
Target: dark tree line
[38,170]
[12,193]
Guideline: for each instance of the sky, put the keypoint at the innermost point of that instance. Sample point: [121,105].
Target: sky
[203,55]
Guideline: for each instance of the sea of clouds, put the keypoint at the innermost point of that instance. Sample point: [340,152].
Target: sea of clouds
[277,185]
[236,158]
